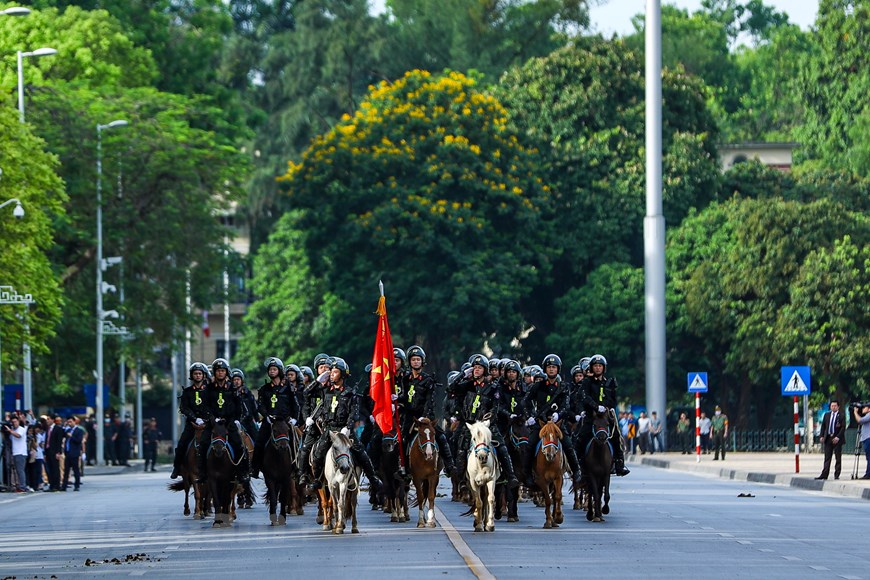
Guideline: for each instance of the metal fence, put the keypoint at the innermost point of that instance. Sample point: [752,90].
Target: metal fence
[781,440]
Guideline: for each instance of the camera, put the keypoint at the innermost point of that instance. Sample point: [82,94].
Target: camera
[859,405]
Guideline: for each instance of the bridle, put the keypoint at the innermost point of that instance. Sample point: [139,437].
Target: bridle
[517,441]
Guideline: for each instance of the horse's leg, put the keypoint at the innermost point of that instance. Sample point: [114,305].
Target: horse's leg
[283,497]
[354,503]
[430,492]
[273,500]
[338,499]
[187,497]
[548,502]
[478,505]
[605,509]
[490,511]
[558,518]
[419,486]
[591,488]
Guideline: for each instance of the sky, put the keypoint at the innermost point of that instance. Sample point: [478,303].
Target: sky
[614,16]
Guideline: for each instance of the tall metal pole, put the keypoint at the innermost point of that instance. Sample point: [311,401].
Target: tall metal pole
[226,303]
[20,86]
[654,222]
[139,426]
[122,380]
[99,403]
[25,350]
[174,389]
[188,347]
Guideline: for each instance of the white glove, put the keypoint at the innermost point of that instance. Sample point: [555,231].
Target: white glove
[513,415]
[323,378]
[239,425]
[531,421]
[200,422]
[393,407]
[394,397]
[293,422]
[309,422]
[345,431]
[555,417]
[372,418]
[421,419]
[467,372]
[454,420]
[576,418]
[602,409]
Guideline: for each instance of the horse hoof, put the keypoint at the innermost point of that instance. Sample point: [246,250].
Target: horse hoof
[599,519]
[273,518]
[406,519]
[605,509]
[187,511]
[282,521]
[490,528]
[559,519]
[319,519]
[354,531]
[547,525]
[197,516]
[394,519]
[300,512]
[589,517]
[478,528]
[555,525]
[512,519]
[326,528]
[421,525]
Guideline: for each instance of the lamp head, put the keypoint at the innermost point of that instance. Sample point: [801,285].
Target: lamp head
[18,211]
[43,52]
[15,11]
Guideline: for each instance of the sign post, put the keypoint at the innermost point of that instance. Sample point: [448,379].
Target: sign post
[795,383]
[697,384]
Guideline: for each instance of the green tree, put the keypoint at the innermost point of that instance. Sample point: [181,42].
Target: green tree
[425,188]
[30,174]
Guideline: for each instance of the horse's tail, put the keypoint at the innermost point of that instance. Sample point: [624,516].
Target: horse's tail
[176,486]
[248,493]
[469,512]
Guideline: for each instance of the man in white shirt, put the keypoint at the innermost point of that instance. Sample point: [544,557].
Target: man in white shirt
[18,436]
[643,432]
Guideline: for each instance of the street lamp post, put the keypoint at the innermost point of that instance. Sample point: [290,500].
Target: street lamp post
[21,55]
[103,326]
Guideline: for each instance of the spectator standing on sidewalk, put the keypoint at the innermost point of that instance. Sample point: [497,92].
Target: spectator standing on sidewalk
[18,434]
[683,433]
[643,433]
[91,440]
[75,437]
[833,435]
[53,453]
[705,425]
[632,433]
[719,432]
[38,460]
[862,417]
[655,431]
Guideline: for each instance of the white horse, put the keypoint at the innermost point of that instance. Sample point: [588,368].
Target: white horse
[342,480]
[483,471]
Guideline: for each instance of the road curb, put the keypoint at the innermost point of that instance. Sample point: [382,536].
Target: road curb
[844,488]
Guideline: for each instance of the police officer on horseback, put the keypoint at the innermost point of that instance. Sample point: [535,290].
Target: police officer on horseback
[312,392]
[416,399]
[277,400]
[225,406]
[548,399]
[598,393]
[479,398]
[248,402]
[335,413]
[511,395]
[193,404]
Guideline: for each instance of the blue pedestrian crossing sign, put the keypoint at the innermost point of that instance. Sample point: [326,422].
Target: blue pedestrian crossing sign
[795,381]
[697,382]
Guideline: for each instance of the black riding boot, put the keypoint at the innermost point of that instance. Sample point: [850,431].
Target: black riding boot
[446,454]
[302,461]
[362,459]
[618,458]
[176,463]
[574,464]
[507,466]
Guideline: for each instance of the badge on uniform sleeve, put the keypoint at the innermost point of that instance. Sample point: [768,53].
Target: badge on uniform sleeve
[513,405]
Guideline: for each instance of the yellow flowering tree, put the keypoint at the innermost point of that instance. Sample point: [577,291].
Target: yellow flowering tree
[426,188]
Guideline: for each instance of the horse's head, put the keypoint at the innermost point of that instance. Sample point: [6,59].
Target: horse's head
[280,434]
[340,451]
[551,435]
[519,432]
[389,441]
[426,437]
[601,426]
[481,441]
[219,438]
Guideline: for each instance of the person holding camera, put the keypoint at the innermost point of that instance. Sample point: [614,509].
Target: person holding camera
[18,435]
[832,435]
[862,417]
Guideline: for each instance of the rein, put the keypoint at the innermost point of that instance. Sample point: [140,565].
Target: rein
[517,441]
[228,447]
[484,445]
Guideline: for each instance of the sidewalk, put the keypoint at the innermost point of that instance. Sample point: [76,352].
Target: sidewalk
[773,468]
[135,465]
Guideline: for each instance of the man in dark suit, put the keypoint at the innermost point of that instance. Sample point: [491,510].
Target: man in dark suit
[833,435]
[74,441]
[54,439]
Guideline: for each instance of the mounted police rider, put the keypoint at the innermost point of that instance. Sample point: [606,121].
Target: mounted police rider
[548,399]
[511,395]
[312,393]
[598,393]
[249,403]
[417,400]
[277,400]
[479,397]
[334,414]
[224,406]
[193,404]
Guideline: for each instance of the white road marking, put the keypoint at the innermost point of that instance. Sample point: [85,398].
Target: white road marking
[471,560]
[819,568]
[791,558]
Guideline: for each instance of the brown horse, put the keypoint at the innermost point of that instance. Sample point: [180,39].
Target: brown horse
[548,472]
[597,461]
[424,462]
[189,473]
[221,467]
[278,462]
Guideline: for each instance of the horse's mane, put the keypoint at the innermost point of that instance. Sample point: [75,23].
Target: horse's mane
[478,428]
[550,426]
[344,439]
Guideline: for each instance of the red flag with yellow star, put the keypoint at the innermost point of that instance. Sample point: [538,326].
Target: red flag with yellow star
[383,372]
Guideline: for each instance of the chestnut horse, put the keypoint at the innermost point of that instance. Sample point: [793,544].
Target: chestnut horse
[548,472]
[424,462]
[189,472]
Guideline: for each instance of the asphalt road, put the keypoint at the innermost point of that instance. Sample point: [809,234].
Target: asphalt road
[663,524]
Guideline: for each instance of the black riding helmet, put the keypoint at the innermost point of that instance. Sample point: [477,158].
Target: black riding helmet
[400,354]
[237,373]
[274,361]
[197,366]
[220,363]
[417,351]
[340,364]
[551,359]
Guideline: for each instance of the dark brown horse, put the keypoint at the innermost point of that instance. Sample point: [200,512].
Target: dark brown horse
[517,445]
[548,472]
[278,461]
[425,464]
[395,495]
[221,465]
[189,473]
[597,461]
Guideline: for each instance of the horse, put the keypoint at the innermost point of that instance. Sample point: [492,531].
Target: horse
[247,499]
[395,498]
[598,460]
[483,471]
[548,472]
[342,479]
[278,461]
[459,491]
[189,473]
[424,462]
[517,444]
[221,473]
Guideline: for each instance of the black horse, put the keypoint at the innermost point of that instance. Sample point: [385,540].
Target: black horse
[221,464]
[278,464]
[598,461]
[517,444]
[394,492]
